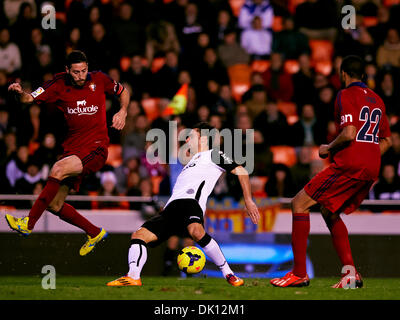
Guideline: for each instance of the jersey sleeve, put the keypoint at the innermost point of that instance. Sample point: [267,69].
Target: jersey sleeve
[346,109]
[47,93]
[223,161]
[111,86]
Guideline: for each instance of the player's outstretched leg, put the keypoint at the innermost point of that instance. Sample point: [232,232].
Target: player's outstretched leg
[212,250]
[137,257]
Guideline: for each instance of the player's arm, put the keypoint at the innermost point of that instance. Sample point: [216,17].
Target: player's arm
[24,97]
[347,135]
[244,180]
[385,144]
[119,118]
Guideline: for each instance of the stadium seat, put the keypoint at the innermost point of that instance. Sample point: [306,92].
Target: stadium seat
[260,65]
[289,109]
[157,64]
[291,66]
[125,63]
[151,108]
[239,76]
[370,21]
[321,50]
[155,181]
[389,3]
[114,155]
[277,24]
[284,154]
[32,147]
[324,67]
[236,5]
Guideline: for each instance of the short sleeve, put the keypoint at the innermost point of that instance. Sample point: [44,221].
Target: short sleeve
[111,86]
[223,161]
[345,109]
[47,93]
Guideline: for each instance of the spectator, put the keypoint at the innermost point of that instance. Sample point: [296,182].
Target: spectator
[277,81]
[128,34]
[140,78]
[5,124]
[99,49]
[308,131]
[47,153]
[390,96]
[303,82]
[161,38]
[167,74]
[263,157]
[225,22]
[392,156]
[257,103]
[131,164]
[379,31]
[273,125]
[16,166]
[257,41]
[74,41]
[325,105]
[230,52]
[389,52]
[10,57]
[27,183]
[301,171]
[190,30]
[108,187]
[388,186]
[256,8]
[134,141]
[280,182]
[33,127]
[290,42]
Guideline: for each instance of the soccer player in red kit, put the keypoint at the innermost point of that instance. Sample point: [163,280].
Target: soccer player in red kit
[81,96]
[364,135]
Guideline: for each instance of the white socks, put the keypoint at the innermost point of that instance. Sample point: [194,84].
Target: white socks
[213,251]
[137,257]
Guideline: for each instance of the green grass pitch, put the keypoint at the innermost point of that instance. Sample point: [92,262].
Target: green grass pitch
[196,288]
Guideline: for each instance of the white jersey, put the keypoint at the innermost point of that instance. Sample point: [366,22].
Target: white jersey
[198,178]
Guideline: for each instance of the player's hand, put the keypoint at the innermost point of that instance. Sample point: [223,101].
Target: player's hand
[119,120]
[323,151]
[252,211]
[16,87]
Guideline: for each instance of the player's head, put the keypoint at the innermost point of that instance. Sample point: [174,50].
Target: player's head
[352,68]
[201,136]
[77,67]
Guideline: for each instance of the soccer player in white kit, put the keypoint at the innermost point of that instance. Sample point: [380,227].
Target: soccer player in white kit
[183,215]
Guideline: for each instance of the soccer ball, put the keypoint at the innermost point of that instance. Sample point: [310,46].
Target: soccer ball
[191,260]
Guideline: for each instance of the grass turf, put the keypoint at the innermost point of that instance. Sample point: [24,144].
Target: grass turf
[171,288]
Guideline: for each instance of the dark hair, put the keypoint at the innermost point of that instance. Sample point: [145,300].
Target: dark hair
[75,56]
[205,125]
[353,66]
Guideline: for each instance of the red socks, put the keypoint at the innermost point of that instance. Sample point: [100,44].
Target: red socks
[300,231]
[43,201]
[340,240]
[70,215]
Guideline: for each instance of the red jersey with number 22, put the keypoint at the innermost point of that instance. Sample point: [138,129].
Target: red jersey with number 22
[359,106]
[84,108]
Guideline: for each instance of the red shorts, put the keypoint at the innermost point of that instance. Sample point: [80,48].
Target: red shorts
[92,161]
[337,192]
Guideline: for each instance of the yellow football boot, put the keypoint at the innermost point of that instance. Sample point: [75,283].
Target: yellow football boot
[19,224]
[91,242]
[124,282]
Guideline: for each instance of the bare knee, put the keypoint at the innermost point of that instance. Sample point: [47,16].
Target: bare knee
[196,231]
[144,235]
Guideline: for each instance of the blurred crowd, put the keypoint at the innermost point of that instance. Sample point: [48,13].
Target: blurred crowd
[153,47]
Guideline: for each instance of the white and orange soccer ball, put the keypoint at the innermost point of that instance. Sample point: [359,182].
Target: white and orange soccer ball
[191,260]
